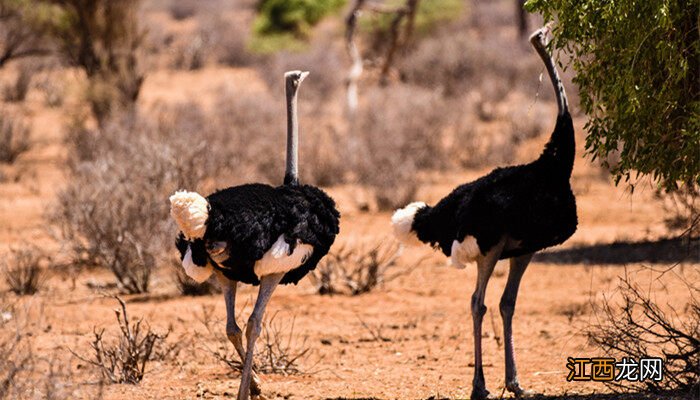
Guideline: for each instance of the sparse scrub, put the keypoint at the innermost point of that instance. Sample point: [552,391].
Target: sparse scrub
[54,92]
[26,373]
[229,40]
[402,130]
[192,52]
[358,269]
[252,123]
[17,91]
[22,270]
[124,361]
[110,44]
[639,328]
[280,350]
[15,358]
[14,137]
[113,213]
[459,63]
[23,29]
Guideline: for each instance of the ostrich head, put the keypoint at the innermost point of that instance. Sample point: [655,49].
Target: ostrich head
[539,38]
[402,221]
[190,211]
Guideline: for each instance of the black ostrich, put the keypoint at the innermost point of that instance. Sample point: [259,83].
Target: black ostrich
[256,234]
[510,213]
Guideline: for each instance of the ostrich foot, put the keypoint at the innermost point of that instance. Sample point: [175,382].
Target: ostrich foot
[479,393]
[519,392]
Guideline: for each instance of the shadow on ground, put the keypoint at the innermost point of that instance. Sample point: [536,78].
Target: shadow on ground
[665,251]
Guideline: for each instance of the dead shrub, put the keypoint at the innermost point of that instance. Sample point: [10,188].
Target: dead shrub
[14,137]
[253,124]
[192,52]
[111,51]
[229,40]
[113,212]
[22,270]
[54,91]
[456,63]
[639,328]
[15,359]
[124,361]
[358,269]
[25,374]
[17,91]
[402,130]
[279,349]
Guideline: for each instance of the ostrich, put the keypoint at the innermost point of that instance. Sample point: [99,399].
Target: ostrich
[511,212]
[256,234]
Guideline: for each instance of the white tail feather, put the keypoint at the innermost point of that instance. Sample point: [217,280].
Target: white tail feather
[402,221]
[190,211]
[464,252]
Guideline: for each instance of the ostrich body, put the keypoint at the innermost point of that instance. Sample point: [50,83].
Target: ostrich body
[256,234]
[512,213]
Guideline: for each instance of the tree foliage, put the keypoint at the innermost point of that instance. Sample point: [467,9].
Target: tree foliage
[637,67]
[293,16]
[23,28]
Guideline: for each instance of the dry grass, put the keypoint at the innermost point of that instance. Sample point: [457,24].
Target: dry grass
[17,91]
[124,361]
[401,129]
[22,270]
[279,349]
[112,212]
[639,328]
[24,372]
[14,137]
[355,270]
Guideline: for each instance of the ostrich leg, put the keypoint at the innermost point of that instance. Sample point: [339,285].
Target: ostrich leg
[485,264]
[518,265]
[234,333]
[268,284]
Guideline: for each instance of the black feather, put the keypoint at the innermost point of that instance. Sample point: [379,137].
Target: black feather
[531,203]
[250,218]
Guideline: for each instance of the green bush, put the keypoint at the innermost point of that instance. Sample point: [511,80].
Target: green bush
[430,14]
[292,16]
[637,67]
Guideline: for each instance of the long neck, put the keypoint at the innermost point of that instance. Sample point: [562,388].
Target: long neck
[559,153]
[559,91]
[291,175]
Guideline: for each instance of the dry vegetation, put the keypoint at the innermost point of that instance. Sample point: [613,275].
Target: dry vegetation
[357,269]
[124,361]
[14,136]
[640,328]
[279,350]
[22,270]
[449,103]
